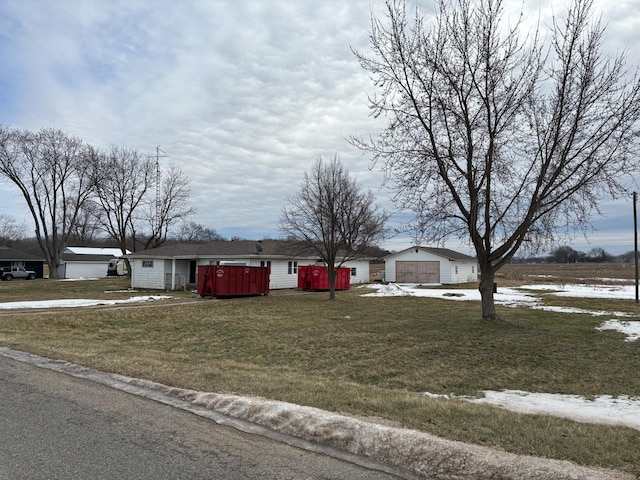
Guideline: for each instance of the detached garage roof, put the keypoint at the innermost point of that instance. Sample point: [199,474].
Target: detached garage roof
[441,252]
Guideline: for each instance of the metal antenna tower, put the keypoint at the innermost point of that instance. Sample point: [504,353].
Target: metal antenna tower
[159,154]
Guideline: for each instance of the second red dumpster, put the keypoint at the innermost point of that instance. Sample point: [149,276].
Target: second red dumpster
[232,281]
[316,277]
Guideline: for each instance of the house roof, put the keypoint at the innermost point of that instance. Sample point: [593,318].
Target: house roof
[228,249]
[8,253]
[441,252]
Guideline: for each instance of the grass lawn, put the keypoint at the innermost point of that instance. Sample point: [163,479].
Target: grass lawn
[370,357]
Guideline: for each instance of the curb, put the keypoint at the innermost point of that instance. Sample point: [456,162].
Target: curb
[408,454]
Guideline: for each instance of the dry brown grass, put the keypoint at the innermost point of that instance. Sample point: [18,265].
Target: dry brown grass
[581,273]
[368,357]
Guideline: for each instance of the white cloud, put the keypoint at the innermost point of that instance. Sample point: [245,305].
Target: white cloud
[243,96]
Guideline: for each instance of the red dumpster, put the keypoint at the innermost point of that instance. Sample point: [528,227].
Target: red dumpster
[316,277]
[232,281]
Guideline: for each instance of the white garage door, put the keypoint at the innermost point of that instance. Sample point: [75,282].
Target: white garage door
[85,270]
[418,272]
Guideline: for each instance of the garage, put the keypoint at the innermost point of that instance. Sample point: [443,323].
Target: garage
[430,265]
[418,272]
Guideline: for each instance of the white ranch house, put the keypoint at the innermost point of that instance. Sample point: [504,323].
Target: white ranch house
[173,267]
[428,265]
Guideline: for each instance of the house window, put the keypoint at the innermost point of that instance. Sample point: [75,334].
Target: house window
[293,268]
[265,264]
[353,272]
[473,269]
[456,269]
[147,264]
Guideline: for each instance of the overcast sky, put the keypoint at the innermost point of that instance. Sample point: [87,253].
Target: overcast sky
[243,95]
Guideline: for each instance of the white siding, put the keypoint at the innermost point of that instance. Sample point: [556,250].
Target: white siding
[159,276]
[280,276]
[147,277]
[362,270]
[448,275]
[464,271]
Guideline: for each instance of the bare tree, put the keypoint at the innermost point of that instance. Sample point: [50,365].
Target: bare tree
[51,170]
[86,230]
[192,232]
[170,208]
[332,216]
[131,207]
[502,138]
[124,180]
[10,230]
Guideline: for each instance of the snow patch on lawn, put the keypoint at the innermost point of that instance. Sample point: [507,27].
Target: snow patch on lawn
[525,296]
[630,329]
[77,302]
[622,410]
[606,409]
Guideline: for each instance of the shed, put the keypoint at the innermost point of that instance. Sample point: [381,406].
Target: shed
[86,262]
[430,265]
[10,257]
[174,266]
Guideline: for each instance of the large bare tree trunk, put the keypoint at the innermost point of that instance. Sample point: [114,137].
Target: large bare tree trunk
[331,272]
[486,293]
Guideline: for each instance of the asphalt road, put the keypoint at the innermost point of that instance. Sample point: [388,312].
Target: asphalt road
[55,426]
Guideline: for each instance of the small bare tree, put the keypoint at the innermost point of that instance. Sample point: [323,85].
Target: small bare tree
[331,216]
[52,171]
[500,138]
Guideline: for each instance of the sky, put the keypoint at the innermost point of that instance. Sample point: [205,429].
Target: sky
[242,95]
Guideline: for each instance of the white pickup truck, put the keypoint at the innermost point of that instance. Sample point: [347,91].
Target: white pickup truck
[9,273]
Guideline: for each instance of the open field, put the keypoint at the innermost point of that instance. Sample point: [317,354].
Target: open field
[585,273]
[363,356]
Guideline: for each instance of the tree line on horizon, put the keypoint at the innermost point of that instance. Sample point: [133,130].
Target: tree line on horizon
[567,254]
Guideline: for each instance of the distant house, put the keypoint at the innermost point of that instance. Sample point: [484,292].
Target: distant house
[10,257]
[430,265]
[172,267]
[86,262]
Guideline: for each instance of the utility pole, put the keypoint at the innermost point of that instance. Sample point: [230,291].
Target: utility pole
[635,238]
[159,154]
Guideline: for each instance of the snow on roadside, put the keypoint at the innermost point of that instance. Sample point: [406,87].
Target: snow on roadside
[76,302]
